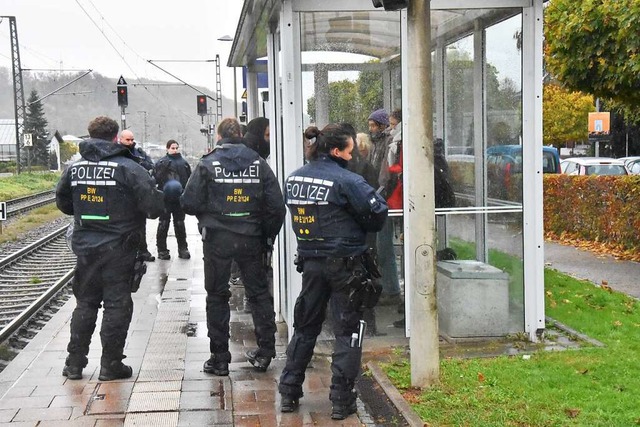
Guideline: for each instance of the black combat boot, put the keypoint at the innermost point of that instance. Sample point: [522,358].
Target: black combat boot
[73,367]
[288,403]
[115,370]
[341,411]
[261,363]
[72,372]
[216,367]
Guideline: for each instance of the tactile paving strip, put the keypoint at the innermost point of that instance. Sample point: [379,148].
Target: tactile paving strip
[171,327]
[161,375]
[145,387]
[151,363]
[155,419]
[162,342]
[154,401]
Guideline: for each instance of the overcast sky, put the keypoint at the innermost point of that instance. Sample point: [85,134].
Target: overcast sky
[117,37]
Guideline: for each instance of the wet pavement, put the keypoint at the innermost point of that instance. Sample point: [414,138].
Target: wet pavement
[167,345]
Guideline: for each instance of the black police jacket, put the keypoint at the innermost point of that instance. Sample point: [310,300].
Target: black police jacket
[233,189]
[172,166]
[109,194]
[141,157]
[332,209]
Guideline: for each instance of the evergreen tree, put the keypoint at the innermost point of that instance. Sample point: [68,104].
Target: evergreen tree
[36,124]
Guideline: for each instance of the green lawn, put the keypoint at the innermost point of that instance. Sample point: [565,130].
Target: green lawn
[587,387]
[24,184]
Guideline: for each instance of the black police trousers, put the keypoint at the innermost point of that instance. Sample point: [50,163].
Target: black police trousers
[220,248]
[324,280]
[102,277]
[179,228]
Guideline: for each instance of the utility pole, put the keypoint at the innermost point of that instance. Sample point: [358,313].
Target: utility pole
[218,92]
[209,138]
[227,38]
[597,143]
[144,125]
[18,88]
[419,201]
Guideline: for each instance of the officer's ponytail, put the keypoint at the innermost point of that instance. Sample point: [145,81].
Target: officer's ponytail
[323,141]
[310,142]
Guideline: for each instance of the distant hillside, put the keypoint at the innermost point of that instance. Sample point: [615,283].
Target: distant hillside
[170,110]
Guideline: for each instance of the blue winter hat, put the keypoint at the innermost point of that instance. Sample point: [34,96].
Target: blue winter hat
[380,116]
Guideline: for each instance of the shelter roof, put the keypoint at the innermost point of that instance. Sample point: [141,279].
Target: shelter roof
[374,33]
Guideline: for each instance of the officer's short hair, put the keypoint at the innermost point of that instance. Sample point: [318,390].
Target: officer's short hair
[229,128]
[103,127]
[171,142]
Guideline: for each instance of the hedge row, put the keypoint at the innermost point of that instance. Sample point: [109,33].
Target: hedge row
[603,209]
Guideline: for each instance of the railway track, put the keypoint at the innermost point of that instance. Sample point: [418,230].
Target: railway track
[24,204]
[31,279]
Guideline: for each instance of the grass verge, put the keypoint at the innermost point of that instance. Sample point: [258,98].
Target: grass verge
[22,185]
[16,186]
[30,221]
[586,387]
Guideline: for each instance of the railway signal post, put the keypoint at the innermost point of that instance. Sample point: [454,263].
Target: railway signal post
[123,101]
[3,214]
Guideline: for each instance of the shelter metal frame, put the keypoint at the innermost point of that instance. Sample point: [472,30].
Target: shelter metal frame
[272,29]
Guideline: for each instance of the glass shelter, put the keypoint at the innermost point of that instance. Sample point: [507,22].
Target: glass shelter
[335,61]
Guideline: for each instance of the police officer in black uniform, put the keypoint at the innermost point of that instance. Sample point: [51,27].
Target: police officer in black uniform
[137,153]
[140,156]
[110,195]
[170,171]
[240,207]
[332,210]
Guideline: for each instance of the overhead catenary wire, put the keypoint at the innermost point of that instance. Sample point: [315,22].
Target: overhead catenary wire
[137,77]
[114,31]
[33,52]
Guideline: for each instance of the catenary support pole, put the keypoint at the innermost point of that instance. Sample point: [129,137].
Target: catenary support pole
[420,201]
[123,117]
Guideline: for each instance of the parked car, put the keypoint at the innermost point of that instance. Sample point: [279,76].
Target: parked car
[504,169]
[593,166]
[633,167]
[626,160]
[500,171]
[632,163]
[550,156]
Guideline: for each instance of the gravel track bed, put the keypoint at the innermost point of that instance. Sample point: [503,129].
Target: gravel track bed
[30,236]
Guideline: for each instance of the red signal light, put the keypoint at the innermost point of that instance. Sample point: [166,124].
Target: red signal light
[202,105]
[122,96]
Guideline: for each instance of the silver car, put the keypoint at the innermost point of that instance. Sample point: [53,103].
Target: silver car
[593,166]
